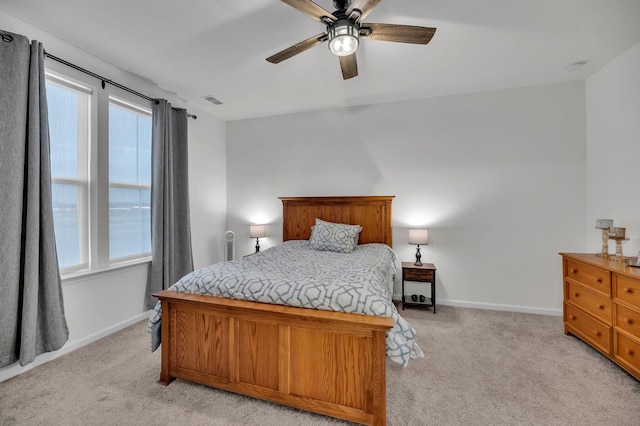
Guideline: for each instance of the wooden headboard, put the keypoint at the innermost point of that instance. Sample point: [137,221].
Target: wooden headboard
[372,213]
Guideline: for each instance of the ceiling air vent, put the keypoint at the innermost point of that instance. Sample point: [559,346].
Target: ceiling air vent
[212,100]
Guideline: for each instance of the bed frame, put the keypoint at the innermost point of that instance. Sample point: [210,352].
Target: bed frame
[331,363]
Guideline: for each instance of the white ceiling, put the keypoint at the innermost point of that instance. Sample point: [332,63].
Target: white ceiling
[218,47]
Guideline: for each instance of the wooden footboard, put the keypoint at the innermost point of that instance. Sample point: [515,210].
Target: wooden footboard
[330,363]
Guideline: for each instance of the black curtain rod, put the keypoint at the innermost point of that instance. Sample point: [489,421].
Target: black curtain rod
[105,80]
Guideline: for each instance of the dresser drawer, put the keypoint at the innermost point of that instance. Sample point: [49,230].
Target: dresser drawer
[418,275]
[627,289]
[627,353]
[590,301]
[596,278]
[627,319]
[588,328]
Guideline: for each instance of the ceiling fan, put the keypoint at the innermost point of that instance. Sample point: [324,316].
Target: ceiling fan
[345,29]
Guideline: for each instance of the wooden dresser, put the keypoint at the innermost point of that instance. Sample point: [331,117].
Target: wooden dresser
[602,306]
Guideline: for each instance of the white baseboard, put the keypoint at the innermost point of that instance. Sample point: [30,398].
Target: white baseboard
[16,369]
[495,307]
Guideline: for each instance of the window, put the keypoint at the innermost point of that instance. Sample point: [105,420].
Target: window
[129,180]
[68,107]
[101,175]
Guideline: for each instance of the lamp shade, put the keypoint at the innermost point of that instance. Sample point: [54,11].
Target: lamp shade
[419,236]
[257,231]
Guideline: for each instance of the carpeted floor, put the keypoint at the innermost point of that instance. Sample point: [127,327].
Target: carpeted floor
[480,368]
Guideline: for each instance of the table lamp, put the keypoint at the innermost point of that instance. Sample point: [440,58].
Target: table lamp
[257,232]
[417,237]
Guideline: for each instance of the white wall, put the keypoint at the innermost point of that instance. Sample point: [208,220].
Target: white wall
[101,304]
[497,177]
[613,149]
[207,187]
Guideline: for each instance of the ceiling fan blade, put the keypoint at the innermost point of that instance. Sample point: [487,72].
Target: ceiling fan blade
[311,9]
[349,66]
[297,48]
[364,6]
[397,33]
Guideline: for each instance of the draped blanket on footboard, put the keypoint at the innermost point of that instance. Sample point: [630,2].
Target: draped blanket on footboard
[294,274]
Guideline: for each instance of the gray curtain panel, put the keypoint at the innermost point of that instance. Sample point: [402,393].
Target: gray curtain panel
[170,224]
[32,317]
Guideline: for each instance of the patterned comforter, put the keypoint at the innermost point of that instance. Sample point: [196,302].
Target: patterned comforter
[293,274]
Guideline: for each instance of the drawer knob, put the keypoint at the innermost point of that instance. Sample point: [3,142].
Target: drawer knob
[574,271]
[572,317]
[628,320]
[598,280]
[629,351]
[596,332]
[600,306]
[628,290]
[576,294]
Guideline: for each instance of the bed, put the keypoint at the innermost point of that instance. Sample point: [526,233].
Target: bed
[329,362]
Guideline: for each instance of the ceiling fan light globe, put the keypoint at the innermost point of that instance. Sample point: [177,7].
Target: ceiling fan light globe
[343,40]
[343,45]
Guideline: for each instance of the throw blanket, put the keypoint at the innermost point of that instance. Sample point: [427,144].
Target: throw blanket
[293,274]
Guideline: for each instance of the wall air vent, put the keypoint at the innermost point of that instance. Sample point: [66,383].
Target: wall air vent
[212,100]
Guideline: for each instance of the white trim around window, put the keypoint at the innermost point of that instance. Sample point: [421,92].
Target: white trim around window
[92,180]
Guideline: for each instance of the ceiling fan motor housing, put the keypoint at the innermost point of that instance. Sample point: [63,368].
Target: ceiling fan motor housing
[341,4]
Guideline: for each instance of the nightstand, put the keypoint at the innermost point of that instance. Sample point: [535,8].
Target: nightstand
[423,274]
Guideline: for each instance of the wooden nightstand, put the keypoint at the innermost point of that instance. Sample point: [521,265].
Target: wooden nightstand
[424,274]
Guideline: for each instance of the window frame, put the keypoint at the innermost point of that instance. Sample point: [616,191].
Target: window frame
[96,221]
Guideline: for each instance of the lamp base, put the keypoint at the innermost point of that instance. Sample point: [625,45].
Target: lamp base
[257,245]
[418,256]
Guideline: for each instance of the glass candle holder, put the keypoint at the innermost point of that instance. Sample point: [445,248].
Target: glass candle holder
[605,243]
[619,256]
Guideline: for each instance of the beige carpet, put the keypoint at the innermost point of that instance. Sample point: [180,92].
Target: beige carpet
[480,368]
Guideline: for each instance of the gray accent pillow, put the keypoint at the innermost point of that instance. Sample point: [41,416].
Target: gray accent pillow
[356,237]
[337,237]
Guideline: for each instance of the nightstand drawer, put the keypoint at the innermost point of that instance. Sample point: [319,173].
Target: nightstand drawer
[418,275]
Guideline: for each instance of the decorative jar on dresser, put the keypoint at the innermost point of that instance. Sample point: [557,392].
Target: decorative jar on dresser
[602,306]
